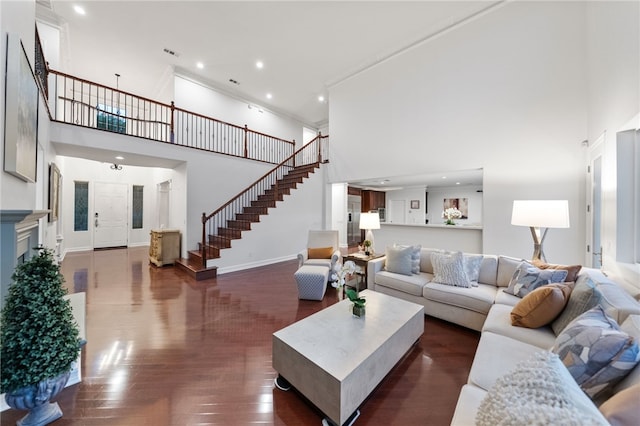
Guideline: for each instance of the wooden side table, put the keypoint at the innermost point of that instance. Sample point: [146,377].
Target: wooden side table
[362,260]
[164,247]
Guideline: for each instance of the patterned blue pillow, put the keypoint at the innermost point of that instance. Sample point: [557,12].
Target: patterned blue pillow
[596,352]
[415,257]
[527,278]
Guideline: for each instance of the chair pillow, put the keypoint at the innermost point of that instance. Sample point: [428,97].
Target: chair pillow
[596,352]
[320,253]
[541,306]
[538,391]
[527,278]
[415,257]
[572,270]
[584,296]
[398,260]
[448,268]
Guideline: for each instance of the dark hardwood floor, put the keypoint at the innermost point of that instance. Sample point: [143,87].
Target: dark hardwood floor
[164,349]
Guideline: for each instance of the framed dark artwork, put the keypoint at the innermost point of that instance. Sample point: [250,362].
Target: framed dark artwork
[21,113]
[461,204]
[415,204]
[55,179]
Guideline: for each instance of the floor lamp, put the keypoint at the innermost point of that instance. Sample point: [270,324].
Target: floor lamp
[539,215]
[370,221]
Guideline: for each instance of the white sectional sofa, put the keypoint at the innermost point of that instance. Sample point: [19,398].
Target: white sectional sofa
[506,350]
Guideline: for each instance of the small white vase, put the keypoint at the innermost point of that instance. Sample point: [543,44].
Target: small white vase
[340,293]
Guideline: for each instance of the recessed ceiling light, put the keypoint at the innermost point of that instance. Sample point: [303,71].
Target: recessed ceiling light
[320,98]
[444,177]
[259,65]
[269,96]
[79,10]
[457,183]
[119,157]
[200,65]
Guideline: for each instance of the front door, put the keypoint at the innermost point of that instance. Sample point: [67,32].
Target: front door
[110,215]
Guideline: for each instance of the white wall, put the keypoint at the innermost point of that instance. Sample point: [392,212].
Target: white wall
[613,63]
[196,97]
[505,92]
[81,170]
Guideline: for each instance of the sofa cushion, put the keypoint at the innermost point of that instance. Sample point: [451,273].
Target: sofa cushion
[617,303]
[411,284]
[415,257]
[583,297]
[320,252]
[623,408]
[541,306]
[538,391]
[631,326]
[472,264]
[448,268]
[398,260]
[506,268]
[505,298]
[496,356]
[596,352]
[527,278]
[467,406]
[488,270]
[572,270]
[477,299]
[499,321]
[425,259]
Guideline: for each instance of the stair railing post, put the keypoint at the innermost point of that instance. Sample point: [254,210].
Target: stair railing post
[294,150]
[203,247]
[172,125]
[319,147]
[246,150]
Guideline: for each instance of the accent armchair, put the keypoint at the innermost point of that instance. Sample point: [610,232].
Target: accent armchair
[323,249]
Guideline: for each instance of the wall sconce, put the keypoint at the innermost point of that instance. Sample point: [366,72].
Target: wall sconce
[538,214]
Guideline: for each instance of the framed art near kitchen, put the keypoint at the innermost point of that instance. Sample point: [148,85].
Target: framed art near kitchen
[415,204]
[21,113]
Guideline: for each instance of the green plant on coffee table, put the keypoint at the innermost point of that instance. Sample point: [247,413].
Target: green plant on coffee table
[39,334]
[354,297]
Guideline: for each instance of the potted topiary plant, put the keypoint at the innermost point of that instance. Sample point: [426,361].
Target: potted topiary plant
[39,339]
[367,247]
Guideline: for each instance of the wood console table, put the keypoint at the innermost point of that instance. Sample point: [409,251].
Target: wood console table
[362,260]
[164,247]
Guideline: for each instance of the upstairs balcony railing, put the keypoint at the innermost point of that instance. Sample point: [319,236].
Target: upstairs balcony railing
[80,102]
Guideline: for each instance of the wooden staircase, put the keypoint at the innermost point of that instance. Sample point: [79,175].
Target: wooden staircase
[251,213]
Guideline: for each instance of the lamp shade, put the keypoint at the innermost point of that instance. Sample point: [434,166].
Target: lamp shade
[541,213]
[369,221]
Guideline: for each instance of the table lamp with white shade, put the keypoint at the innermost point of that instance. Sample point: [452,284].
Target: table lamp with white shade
[539,215]
[370,221]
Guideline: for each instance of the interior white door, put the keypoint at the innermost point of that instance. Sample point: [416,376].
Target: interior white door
[594,204]
[110,215]
[396,213]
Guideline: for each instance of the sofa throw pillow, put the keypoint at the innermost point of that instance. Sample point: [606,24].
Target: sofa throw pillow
[415,257]
[527,278]
[539,391]
[596,352]
[572,270]
[584,296]
[448,268]
[472,264]
[398,260]
[541,306]
[623,408]
[320,253]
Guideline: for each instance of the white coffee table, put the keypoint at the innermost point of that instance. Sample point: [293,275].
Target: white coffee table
[335,359]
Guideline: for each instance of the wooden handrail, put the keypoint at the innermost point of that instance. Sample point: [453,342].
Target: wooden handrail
[313,147]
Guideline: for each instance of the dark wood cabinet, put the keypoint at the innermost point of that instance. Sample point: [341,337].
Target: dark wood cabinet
[373,200]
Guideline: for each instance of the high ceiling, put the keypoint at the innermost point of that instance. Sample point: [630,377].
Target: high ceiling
[305,46]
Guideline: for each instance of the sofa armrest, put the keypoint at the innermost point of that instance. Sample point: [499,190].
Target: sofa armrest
[336,257]
[373,267]
[303,256]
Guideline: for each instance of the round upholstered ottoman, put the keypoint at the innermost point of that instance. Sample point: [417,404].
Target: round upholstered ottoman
[312,281]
